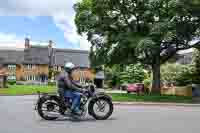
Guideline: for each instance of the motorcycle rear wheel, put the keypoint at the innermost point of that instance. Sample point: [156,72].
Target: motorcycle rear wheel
[40,110]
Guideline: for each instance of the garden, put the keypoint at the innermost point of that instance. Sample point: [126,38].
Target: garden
[176,78]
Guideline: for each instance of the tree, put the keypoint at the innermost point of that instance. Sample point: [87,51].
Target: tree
[131,31]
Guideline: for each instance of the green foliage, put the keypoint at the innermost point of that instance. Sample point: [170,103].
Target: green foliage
[147,83]
[52,83]
[135,73]
[196,66]
[112,75]
[184,76]
[179,74]
[169,72]
[122,31]
[52,73]
[116,75]
[11,82]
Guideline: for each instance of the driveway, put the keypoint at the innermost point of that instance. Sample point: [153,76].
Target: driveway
[17,116]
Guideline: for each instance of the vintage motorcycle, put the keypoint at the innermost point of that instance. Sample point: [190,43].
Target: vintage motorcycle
[97,104]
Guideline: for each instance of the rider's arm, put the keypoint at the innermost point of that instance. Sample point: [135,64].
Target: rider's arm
[70,85]
[77,84]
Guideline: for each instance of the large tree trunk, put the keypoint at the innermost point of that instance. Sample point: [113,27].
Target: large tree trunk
[156,76]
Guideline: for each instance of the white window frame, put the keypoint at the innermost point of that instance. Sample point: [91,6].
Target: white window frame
[11,67]
[12,77]
[29,66]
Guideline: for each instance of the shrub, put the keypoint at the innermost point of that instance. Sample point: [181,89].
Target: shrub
[147,85]
[179,74]
[169,72]
[52,83]
[118,75]
[184,76]
[11,82]
[196,66]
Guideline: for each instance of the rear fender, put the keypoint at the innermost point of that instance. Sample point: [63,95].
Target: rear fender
[45,97]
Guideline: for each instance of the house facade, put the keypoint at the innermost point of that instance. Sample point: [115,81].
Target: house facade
[185,57]
[33,63]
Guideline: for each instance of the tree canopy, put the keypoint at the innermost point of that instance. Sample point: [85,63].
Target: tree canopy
[131,31]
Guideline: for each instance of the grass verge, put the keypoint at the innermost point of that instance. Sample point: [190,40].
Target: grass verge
[150,98]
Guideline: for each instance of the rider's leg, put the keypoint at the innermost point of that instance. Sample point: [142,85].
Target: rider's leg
[61,93]
[76,100]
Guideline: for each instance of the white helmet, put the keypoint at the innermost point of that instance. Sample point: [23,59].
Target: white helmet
[69,66]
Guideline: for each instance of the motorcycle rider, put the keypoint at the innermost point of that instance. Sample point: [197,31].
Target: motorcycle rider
[68,88]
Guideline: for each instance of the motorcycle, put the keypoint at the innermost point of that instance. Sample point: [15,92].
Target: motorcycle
[97,104]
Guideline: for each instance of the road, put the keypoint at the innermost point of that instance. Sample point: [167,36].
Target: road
[17,116]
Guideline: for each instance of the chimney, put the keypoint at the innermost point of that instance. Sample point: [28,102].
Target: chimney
[50,44]
[27,43]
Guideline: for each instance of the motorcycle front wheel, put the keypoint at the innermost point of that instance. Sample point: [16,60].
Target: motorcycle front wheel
[101,108]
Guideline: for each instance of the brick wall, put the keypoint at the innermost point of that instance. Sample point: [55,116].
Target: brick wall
[23,71]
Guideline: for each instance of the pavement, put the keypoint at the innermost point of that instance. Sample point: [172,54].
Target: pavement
[156,104]
[17,116]
[116,91]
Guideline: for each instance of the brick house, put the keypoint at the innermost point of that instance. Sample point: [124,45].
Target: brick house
[33,63]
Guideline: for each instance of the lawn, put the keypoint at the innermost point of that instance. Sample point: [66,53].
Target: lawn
[150,98]
[27,89]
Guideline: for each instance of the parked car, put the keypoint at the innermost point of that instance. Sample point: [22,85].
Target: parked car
[137,88]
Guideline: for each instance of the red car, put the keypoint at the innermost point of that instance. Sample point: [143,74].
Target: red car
[137,88]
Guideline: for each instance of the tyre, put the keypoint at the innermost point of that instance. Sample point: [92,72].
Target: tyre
[51,104]
[102,101]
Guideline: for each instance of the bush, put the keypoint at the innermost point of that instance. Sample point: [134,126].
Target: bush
[184,76]
[11,82]
[52,83]
[118,75]
[134,73]
[179,74]
[196,66]
[147,85]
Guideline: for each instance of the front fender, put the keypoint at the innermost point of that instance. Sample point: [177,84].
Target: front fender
[102,95]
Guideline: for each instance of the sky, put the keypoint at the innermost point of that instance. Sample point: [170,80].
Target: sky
[41,21]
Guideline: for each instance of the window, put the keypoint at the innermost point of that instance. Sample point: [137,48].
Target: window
[11,67]
[11,77]
[30,77]
[33,77]
[29,66]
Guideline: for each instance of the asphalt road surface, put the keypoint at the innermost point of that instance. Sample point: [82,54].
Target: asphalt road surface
[17,116]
